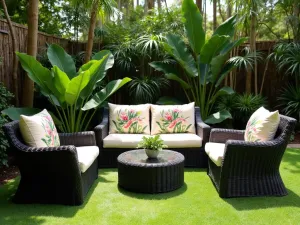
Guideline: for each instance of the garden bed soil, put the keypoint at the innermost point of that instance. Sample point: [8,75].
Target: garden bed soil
[8,173]
[296,138]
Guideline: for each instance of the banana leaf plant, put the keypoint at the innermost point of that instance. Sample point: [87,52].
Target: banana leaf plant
[72,93]
[204,62]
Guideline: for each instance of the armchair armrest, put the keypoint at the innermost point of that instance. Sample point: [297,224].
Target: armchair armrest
[101,130]
[222,135]
[202,129]
[78,139]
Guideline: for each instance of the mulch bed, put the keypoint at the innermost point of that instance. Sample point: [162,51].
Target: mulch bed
[296,139]
[8,173]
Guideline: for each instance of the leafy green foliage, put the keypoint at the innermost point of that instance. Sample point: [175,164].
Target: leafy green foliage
[146,89]
[289,101]
[152,142]
[204,62]
[71,93]
[5,98]
[241,107]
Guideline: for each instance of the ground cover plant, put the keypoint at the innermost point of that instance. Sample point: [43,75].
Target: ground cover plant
[197,202]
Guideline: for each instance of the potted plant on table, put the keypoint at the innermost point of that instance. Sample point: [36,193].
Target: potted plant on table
[152,145]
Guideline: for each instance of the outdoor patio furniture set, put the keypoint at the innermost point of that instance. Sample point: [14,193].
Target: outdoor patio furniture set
[64,174]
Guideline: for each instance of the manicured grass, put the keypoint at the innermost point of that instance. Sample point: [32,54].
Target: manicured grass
[196,203]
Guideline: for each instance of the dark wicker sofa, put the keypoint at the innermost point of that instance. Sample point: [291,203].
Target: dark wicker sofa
[194,157]
[51,175]
[250,168]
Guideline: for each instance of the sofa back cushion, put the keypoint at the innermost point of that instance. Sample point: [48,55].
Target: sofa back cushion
[39,130]
[173,119]
[262,125]
[124,119]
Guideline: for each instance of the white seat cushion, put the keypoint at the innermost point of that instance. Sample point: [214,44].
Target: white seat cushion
[122,140]
[215,152]
[172,140]
[86,156]
[182,140]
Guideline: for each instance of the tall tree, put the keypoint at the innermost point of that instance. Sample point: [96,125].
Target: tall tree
[199,4]
[14,48]
[96,7]
[214,14]
[28,86]
[159,5]
[296,19]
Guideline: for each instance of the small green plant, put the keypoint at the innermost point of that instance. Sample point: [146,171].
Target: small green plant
[5,97]
[153,143]
[289,101]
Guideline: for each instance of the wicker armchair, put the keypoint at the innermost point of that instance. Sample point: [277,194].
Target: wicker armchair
[250,168]
[51,175]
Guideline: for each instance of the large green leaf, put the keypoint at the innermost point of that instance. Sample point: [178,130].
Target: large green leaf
[213,47]
[227,48]
[178,49]
[216,65]
[76,85]
[98,72]
[15,113]
[36,72]
[218,117]
[58,57]
[223,91]
[183,84]
[192,20]
[226,69]
[61,82]
[105,93]
[164,67]
[227,27]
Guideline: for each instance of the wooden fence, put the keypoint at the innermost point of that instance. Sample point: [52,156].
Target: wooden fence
[273,80]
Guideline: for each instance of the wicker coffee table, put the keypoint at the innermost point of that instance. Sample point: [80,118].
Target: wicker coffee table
[137,173]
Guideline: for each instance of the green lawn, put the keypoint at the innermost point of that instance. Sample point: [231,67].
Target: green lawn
[196,203]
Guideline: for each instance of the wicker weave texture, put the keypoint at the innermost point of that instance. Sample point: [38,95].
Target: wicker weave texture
[51,175]
[250,168]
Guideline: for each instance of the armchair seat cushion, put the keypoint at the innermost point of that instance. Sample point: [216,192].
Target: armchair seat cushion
[172,140]
[86,156]
[215,152]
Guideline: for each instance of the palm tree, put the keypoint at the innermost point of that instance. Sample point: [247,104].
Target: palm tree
[214,14]
[28,86]
[97,8]
[14,48]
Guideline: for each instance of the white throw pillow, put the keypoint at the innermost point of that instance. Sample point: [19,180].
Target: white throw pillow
[262,125]
[39,130]
[126,119]
[173,119]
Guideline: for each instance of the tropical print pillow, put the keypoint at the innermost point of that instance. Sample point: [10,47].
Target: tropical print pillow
[173,119]
[262,125]
[125,119]
[39,130]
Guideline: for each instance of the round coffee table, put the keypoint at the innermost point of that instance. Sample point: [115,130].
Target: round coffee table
[137,173]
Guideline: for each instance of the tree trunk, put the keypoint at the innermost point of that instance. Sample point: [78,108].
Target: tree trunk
[199,4]
[229,9]
[137,3]
[220,10]
[214,14]
[150,4]
[90,42]
[296,14]
[119,5]
[14,49]
[159,5]
[146,7]
[252,49]
[28,87]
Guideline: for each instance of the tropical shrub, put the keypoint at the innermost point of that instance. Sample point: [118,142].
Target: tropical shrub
[153,143]
[241,107]
[72,92]
[146,89]
[204,62]
[289,101]
[5,98]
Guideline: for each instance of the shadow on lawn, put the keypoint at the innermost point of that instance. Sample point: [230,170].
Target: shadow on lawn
[159,196]
[252,203]
[10,211]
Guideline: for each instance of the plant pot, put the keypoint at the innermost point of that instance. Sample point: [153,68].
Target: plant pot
[152,154]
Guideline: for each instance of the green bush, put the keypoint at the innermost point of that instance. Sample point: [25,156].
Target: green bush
[241,107]
[5,97]
[289,101]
